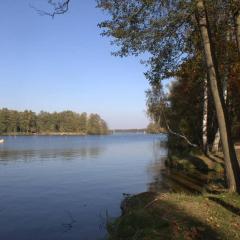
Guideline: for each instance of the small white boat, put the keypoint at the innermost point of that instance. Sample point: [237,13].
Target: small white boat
[1,141]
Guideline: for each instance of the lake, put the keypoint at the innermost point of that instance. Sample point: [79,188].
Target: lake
[66,187]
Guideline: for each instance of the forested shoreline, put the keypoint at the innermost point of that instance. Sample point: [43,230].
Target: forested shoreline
[27,122]
[194,46]
[71,187]
[196,43]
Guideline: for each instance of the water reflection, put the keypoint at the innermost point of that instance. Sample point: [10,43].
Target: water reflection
[64,154]
[61,187]
[21,149]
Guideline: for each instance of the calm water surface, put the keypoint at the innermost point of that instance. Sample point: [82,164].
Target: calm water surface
[54,188]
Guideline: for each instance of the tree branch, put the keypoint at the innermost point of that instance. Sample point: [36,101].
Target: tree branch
[173,132]
[58,8]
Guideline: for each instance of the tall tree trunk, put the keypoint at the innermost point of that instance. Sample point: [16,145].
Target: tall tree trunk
[237,29]
[205,117]
[231,163]
[217,139]
[216,142]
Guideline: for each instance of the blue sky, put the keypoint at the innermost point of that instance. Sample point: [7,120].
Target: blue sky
[64,64]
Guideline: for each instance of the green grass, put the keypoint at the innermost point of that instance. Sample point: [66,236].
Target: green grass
[182,216]
[176,216]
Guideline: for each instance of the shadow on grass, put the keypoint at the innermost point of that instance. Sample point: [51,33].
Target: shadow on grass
[226,205]
[195,174]
[199,164]
[170,180]
[216,159]
[188,162]
[187,181]
[145,218]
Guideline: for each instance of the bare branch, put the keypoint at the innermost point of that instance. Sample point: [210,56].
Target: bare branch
[59,7]
[173,132]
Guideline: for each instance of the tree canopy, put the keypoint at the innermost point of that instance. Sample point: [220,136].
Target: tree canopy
[192,41]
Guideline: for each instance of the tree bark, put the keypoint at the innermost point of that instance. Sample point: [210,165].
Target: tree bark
[231,163]
[216,142]
[237,29]
[217,139]
[205,117]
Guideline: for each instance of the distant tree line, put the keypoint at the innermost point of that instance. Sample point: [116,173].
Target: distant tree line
[129,130]
[29,122]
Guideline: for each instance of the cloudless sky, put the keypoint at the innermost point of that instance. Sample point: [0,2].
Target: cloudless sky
[64,64]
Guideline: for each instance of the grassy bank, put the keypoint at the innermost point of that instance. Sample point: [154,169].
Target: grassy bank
[204,211]
[153,216]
